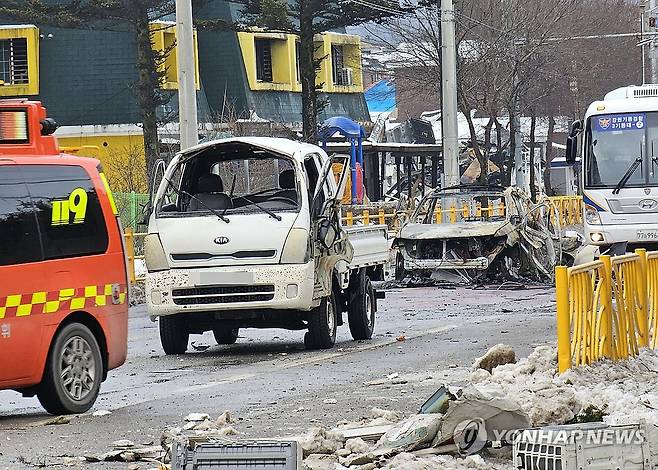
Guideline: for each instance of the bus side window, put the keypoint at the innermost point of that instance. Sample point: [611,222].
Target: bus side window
[19,236]
[68,211]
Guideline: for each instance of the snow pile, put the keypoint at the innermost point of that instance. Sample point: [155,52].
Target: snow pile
[499,355]
[408,461]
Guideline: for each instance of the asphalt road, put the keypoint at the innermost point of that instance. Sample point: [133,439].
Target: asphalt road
[272,384]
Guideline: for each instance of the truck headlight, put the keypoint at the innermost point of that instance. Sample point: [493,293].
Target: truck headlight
[592,215]
[297,249]
[154,254]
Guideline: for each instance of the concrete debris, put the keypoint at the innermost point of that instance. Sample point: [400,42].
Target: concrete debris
[123,444]
[197,417]
[321,441]
[58,420]
[356,446]
[321,462]
[329,401]
[496,356]
[101,413]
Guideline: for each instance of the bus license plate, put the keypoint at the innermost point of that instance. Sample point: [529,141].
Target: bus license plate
[647,235]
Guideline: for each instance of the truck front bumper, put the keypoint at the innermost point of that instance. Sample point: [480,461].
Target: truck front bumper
[284,287]
[411,264]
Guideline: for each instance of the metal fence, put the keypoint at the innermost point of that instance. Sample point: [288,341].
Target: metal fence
[607,308]
[569,209]
[130,207]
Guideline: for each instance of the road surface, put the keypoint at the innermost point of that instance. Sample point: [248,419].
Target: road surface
[272,384]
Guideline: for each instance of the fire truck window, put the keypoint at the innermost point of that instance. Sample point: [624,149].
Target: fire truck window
[19,236]
[68,211]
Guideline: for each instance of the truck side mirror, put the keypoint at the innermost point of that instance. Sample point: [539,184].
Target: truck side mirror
[327,234]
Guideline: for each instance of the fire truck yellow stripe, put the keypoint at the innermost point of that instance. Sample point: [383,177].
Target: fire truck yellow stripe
[23,305]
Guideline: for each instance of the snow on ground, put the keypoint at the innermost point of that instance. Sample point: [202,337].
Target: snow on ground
[626,390]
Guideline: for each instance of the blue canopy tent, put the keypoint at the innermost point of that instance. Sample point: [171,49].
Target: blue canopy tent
[352,131]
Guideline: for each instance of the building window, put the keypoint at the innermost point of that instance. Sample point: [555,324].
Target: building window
[14,61]
[337,62]
[298,59]
[163,42]
[263,60]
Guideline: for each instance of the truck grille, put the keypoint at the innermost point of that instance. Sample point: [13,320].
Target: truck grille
[222,294]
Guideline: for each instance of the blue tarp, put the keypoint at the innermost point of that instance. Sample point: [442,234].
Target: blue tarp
[380,97]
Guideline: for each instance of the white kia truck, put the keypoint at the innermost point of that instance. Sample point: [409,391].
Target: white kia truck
[619,145]
[246,233]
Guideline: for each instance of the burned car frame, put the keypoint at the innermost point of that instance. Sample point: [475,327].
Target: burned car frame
[475,231]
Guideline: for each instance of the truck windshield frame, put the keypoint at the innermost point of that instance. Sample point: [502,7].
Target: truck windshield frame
[613,142]
[250,184]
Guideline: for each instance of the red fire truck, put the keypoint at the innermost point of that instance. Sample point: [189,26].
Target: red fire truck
[63,281]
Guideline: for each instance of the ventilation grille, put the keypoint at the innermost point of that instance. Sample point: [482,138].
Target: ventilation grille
[645,92]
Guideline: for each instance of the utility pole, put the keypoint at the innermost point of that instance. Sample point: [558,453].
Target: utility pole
[643,7]
[653,59]
[187,106]
[449,127]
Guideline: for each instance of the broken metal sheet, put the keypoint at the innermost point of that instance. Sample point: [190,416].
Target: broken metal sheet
[415,432]
[494,415]
[458,230]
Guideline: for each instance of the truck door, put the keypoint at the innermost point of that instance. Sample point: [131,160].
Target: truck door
[330,240]
[21,291]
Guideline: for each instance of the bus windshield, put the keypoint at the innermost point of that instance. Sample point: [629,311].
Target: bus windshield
[614,142]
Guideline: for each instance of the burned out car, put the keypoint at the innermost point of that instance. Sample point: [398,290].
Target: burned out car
[471,232]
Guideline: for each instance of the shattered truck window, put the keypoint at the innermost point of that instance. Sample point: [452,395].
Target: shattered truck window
[237,185]
[461,207]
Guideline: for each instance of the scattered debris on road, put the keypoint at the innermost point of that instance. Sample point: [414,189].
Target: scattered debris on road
[497,356]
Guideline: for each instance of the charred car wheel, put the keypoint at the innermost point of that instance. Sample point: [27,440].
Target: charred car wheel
[322,324]
[74,371]
[225,335]
[400,272]
[361,310]
[174,334]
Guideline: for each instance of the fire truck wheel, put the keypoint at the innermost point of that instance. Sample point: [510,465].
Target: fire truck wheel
[322,324]
[361,310]
[73,373]
[174,334]
[225,335]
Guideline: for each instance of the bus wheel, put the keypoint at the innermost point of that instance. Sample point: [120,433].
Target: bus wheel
[174,334]
[73,373]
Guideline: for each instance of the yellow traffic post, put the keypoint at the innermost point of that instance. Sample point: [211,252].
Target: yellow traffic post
[382,217]
[366,217]
[478,210]
[501,209]
[609,313]
[563,318]
[350,218]
[453,215]
[642,309]
[130,253]
[438,215]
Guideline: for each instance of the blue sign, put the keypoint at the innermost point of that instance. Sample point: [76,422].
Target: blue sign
[620,122]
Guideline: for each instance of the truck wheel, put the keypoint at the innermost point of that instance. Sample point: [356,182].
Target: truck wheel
[322,323]
[361,310]
[225,335]
[174,335]
[73,373]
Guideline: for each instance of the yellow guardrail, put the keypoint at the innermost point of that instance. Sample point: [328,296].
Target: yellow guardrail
[130,236]
[374,217]
[569,209]
[606,308]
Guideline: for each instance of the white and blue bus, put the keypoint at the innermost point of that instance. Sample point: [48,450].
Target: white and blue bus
[619,148]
